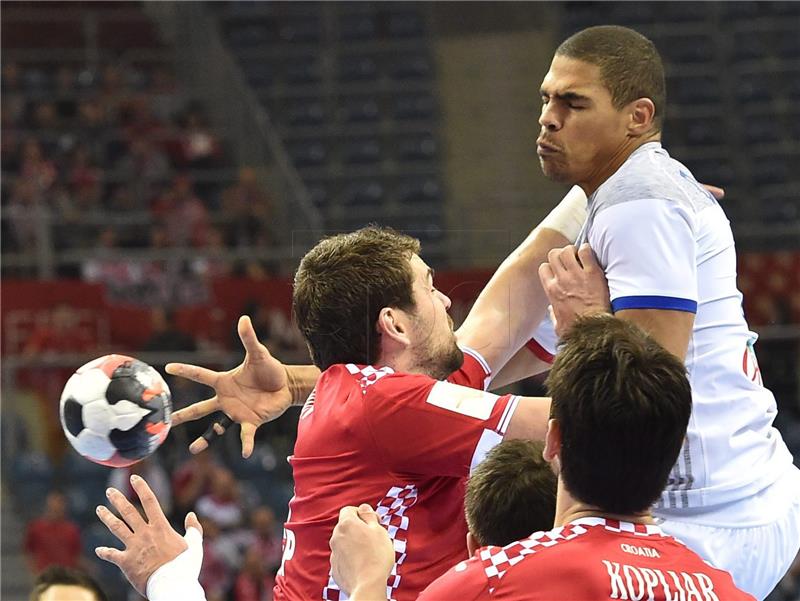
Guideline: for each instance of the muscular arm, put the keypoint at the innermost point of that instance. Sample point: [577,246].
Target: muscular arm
[671,329]
[523,364]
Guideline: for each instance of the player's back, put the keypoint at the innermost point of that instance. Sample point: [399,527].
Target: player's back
[587,560]
[370,435]
[665,243]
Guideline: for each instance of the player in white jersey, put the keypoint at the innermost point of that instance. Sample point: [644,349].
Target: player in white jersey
[668,254]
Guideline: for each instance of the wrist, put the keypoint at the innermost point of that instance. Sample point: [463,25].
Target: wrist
[568,217]
[300,380]
[373,590]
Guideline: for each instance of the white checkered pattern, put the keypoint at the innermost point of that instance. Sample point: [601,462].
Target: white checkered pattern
[391,512]
[369,374]
[497,560]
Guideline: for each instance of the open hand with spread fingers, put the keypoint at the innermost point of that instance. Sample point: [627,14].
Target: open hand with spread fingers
[253,393]
[150,542]
[575,285]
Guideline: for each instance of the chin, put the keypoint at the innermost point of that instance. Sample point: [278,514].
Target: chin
[554,173]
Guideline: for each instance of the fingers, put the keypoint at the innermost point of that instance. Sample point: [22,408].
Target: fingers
[195,411]
[191,521]
[198,446]
[248,436]
[248,337]
[367,514]
[128,512]
[587,258]
[149,501]
[718,193]
[546,275]
[117,527]
[348,512]
[114,556]
[193,372]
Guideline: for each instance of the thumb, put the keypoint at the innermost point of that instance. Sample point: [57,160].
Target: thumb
[191,521]
[367,514]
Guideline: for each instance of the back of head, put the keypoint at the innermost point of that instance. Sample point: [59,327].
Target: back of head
[341,286]
[65,578]
[630,65]
[511,494]
[622,403]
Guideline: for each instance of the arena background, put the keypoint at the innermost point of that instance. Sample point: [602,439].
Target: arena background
[164,166]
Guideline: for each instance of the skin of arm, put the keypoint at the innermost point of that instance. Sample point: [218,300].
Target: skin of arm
[523,364]
[671,329]
[512,304]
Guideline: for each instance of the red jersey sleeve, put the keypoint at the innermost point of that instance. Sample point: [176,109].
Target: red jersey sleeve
[466,581]
[427,427]
[474,372]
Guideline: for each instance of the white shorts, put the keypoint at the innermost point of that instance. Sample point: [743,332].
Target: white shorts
[756,556]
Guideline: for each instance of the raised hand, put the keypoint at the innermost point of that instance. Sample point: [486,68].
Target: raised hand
[150,542]
[253,393]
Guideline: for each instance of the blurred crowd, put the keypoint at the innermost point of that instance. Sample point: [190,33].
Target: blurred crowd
[120,159]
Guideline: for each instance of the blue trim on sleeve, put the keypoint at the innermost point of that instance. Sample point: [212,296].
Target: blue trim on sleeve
[669,303]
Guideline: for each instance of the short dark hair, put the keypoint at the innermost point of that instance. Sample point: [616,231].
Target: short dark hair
[623,403]
[341,286]
[60,575]
[511,494]
[630,65]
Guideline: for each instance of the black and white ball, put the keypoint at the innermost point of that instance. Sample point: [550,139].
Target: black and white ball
[116,410]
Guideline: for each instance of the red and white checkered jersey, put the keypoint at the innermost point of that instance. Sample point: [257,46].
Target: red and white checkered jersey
[587,560]
[402,443]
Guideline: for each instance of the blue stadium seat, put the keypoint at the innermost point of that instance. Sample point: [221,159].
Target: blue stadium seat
[362,109]
[688,49]
[423,189]
[788,44]
[753,87]
[259,73]
[417,148]
[748,45]
[417,106]
[357,68]
[302,30]
[308,153]
[362,152]
[760,130]
[364,193]
[717,171]
[411,66]
[305,112]
[357,27]
[694,90]
[304,69]
[32,479]
[771,169]
[406,25]
[247,35]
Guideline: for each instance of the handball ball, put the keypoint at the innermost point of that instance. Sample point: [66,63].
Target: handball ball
[116,410]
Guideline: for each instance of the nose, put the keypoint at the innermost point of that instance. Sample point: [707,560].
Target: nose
[549,118]
[445,299]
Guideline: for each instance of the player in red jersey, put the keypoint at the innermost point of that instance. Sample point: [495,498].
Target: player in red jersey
[620,407]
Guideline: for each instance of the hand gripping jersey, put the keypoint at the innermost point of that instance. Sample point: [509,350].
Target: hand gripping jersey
[402,443]
[589,559]
[665,243]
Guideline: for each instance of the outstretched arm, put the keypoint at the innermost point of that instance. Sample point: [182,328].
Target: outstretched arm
[513,303]
[258,390]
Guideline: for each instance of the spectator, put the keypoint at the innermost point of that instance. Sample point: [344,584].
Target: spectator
[24,209]
[53,539]
[253,582]
[35,166]
[198,146]
[164,97]
[66,104]
[182,213]
[61,333]
[211,263]
[223,501]
[192,479]
[249,208]
[216,575]
[64,584]
[262,536]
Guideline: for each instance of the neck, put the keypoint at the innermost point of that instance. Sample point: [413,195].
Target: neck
[569,509]
[598,177]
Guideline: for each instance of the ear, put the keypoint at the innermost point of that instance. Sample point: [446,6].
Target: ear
[393,324]
[472,544]
[552,441]
[642,116]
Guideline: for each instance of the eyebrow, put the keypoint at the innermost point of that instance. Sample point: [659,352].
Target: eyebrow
[568,96]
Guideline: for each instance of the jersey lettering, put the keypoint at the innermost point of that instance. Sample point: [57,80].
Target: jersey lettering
[635,583]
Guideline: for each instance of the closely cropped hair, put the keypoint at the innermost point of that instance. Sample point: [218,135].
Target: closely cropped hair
[341,286]
[623,404]
[630,65]
[511,494]
[58,575]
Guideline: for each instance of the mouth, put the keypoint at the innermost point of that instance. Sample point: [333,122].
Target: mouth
[544,148]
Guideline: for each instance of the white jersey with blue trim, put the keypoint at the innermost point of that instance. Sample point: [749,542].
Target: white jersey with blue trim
[665,243]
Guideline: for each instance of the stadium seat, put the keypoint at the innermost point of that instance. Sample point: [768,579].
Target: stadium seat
[362,109]
[417,106]
[301,30]
[363,193]
[32,479]
[424,189]
[411,66]
[357,27]
[308,154]
[406,25]
[362,152]
[357,68]
[302,70]
[417,148]
[306,112]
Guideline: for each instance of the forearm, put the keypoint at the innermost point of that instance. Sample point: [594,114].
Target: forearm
[513,302]
[301,380]
[523,364]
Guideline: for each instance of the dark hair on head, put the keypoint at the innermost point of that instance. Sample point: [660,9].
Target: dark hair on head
[511,494]
[341,286]
[622,403]
[60,575]
[630,66]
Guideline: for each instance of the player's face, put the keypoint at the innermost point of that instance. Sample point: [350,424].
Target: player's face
[433,341]
[67,592]
[581,131]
